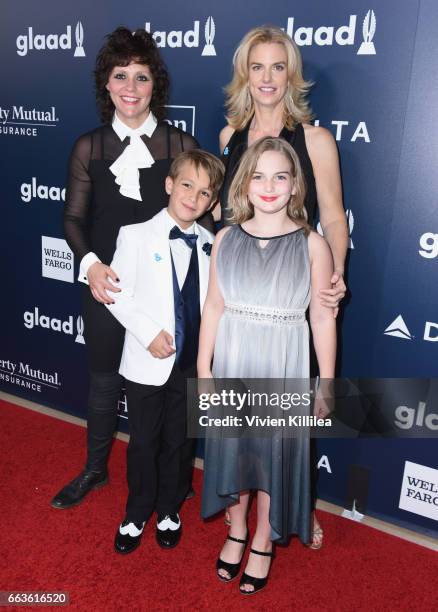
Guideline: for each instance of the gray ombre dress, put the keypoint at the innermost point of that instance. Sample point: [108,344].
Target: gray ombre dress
[263,333]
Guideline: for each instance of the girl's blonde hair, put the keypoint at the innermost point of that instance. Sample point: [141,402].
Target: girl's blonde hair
[239,102]
[238,202]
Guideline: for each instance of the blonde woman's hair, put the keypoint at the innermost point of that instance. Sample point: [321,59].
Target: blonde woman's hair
[238,202]
[239,103]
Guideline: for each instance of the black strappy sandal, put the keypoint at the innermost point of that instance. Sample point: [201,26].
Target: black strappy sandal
[257,583]
[231,568]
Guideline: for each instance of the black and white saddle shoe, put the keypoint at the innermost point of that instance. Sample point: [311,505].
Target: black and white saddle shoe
[128,537]
[168,532]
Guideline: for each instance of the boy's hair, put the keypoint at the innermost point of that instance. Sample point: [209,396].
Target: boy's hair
[238,202]
[201,159]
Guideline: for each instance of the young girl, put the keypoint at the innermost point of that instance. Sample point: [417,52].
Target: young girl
[266,268]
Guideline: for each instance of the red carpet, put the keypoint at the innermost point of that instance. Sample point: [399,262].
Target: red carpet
[72,550]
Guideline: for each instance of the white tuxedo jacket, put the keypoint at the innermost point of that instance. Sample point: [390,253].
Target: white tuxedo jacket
[145,303]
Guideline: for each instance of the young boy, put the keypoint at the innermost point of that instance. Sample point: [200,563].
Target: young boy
[163,267]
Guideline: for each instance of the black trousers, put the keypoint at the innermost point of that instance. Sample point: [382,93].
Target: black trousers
[159,456]
[104,337]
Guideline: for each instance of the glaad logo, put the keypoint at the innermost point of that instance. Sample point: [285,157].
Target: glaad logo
[398,329]
[24,375]
[350,221]
[406,418]
[368,31]
[419,490]
[429,245]
[35,319]
[329,35]
[79,36]
[56,259]
[80,329]
[50,42]
[177,38]
[32,190]
[209,31]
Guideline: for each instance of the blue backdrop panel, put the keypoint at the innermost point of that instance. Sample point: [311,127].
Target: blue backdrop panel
[373,70]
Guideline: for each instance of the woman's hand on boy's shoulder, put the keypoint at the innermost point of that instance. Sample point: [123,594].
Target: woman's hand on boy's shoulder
[101,279]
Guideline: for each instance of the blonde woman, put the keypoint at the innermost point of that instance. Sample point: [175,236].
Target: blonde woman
[265,271]
[267,97]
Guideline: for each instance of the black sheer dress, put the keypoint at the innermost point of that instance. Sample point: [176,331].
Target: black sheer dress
[95,211]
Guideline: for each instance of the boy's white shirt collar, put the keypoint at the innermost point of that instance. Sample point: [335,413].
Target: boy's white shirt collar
[170,222]
[135,156]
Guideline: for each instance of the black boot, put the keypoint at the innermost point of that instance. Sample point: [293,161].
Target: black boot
[73,493]
[103,399]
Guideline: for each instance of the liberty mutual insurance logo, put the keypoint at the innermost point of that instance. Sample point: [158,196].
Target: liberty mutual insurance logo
[32,41]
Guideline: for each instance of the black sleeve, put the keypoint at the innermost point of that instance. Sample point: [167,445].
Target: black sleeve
[78,197]
[189,142]
[230,157]
[181,141]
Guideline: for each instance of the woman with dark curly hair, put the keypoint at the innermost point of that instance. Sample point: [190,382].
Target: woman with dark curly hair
[116,177]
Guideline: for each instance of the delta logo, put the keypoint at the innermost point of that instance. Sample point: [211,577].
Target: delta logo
[399,329]
[344,35]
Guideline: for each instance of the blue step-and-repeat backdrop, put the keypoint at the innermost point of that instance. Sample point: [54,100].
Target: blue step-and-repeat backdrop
[374,66]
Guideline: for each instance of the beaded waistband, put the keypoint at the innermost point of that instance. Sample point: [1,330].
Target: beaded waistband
[269,315]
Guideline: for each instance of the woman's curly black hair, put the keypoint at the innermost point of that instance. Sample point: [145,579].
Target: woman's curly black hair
[120,49]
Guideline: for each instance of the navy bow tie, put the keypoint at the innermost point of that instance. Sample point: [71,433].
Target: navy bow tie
[189,239]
